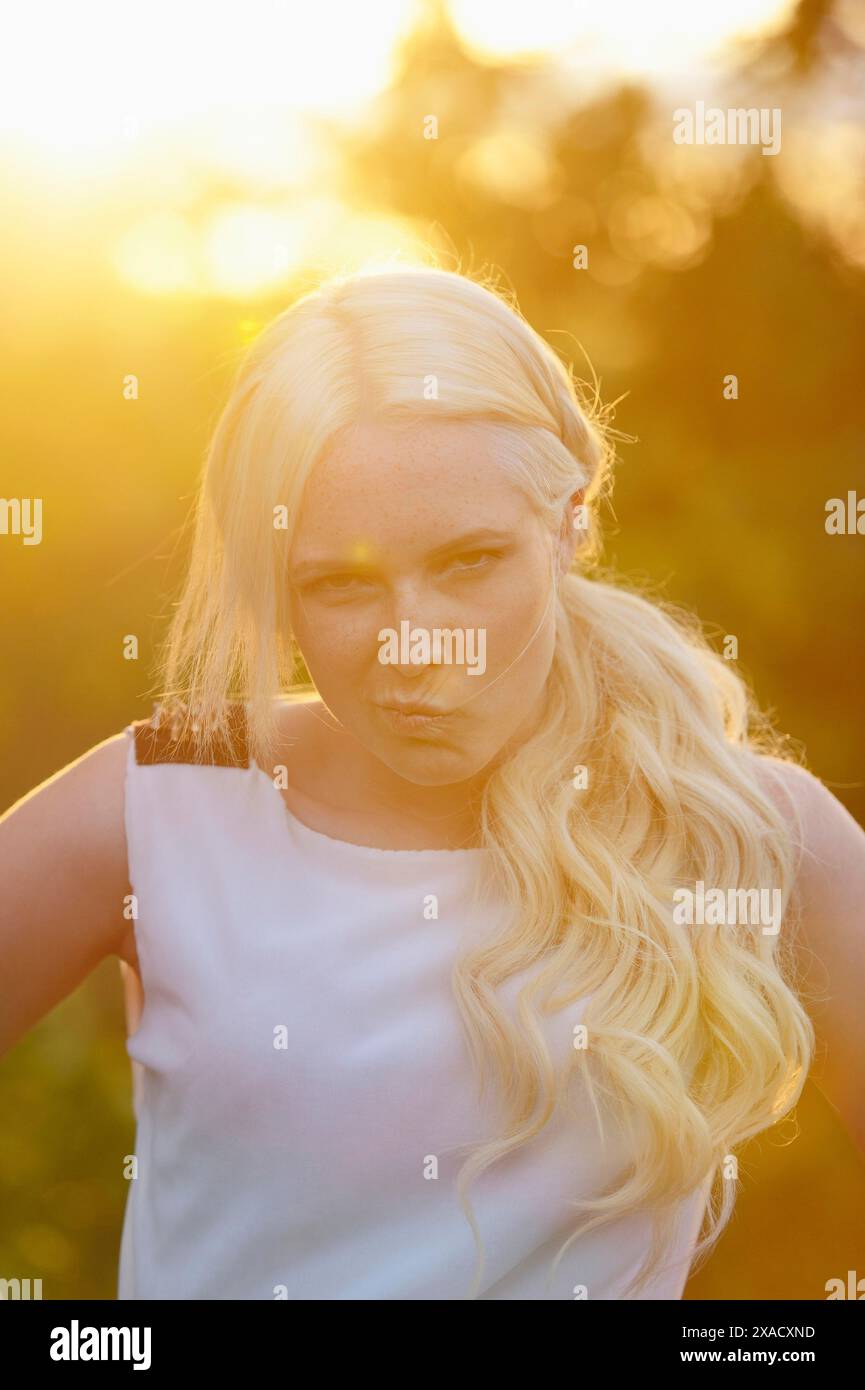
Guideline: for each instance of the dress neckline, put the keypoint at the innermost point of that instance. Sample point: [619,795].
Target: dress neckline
[370,851]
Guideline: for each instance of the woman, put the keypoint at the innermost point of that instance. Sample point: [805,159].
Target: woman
[465,971]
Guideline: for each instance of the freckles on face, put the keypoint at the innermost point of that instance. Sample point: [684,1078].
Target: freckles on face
[418,530]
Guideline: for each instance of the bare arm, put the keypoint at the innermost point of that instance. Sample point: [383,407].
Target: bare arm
[63,878]
[831,939]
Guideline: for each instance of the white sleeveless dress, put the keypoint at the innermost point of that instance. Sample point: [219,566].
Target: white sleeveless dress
[301,1077]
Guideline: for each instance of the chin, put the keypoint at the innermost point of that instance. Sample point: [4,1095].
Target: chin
[427,764]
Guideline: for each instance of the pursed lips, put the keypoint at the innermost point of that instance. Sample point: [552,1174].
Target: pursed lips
[412,707]
[415,715]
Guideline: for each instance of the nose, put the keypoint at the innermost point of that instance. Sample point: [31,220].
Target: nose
[414,612]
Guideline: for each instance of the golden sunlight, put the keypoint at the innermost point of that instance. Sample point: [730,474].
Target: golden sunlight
[109,74]
[204,125]
[622,36]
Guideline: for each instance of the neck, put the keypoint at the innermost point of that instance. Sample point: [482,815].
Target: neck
[334,775]
[353,779]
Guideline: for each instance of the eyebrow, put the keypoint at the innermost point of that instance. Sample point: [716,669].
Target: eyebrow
[481,535]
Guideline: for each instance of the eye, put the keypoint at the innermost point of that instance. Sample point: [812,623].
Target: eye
[338,581]
[473,559]
[337,584]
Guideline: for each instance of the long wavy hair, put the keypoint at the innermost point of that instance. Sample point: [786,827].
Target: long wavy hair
[697,1037]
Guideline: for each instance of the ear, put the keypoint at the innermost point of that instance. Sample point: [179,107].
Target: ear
[569,534]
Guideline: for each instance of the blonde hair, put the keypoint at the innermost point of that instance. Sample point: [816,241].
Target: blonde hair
[698,1039]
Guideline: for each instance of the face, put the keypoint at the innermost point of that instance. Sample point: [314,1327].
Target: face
[406,532]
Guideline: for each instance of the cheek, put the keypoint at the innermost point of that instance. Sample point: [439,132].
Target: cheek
[332,641]
[519,633]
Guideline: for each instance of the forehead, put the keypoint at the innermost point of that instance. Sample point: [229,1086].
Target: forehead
[436,475]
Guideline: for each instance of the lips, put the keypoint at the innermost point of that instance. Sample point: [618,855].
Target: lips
[400,707]
[415,716]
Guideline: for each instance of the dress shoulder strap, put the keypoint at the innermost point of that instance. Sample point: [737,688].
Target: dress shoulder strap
[156,741]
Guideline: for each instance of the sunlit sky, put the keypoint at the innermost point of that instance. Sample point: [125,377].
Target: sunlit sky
[636,36]
[93,76]
[148,102]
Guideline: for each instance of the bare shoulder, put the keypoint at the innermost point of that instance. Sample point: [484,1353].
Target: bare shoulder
[92,786]
[829,931]
[73,822]
[63,866]
[830,840]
